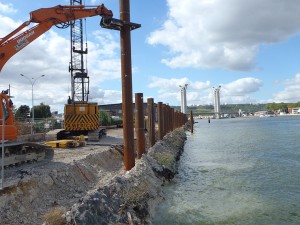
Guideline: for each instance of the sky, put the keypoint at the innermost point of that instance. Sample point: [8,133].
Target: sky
[251,48]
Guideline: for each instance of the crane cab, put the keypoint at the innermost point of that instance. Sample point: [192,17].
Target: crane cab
[6,114]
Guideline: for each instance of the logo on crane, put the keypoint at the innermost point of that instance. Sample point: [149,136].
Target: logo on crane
[22,42]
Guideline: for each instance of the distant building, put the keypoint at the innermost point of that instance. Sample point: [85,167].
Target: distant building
[260,113]
[263,113]
[56,115]
[295,111]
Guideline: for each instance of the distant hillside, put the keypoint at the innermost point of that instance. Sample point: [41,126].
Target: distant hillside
[229,108]
[247,108]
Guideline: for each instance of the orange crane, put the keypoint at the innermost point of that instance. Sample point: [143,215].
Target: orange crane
[61,17]
[45,18]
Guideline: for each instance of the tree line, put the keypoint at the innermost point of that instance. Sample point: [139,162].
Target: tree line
[248,108]
[283,107]
[40,111]
[43,111]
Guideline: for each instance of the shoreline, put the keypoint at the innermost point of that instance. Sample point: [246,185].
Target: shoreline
[131,198]
[89,185]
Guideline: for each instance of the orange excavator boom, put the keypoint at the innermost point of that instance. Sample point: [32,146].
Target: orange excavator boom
[45,19]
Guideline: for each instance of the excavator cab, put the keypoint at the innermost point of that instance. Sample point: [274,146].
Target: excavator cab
[7,118]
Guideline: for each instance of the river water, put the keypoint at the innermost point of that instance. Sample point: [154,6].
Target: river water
[237,171]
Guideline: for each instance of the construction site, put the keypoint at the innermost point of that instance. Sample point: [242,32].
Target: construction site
[85,172]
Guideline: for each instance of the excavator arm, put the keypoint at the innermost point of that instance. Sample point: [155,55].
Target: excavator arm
[45,18]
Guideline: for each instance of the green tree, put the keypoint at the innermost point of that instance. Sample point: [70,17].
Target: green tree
[271,106]
[22,111]
[42,111]
[283,107]
[105,118]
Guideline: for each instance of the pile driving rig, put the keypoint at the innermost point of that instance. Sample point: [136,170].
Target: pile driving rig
[44,18]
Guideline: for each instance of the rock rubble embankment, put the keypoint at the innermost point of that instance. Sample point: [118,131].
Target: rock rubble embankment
[132,197]
[45,186]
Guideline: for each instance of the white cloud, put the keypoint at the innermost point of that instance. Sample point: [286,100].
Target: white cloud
[198,85]
[198,92]
[50,55]
[242,86]
[7,25]
[105,96]
[7,8]
[103,57]
[291,91]
[239,91]
[165,84]
[106,43]
[94,1]
[213,33]
[168,90]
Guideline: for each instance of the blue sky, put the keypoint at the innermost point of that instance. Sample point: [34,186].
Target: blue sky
[250,48]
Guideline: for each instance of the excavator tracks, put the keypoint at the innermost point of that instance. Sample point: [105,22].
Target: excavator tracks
[61,134]
[17,153]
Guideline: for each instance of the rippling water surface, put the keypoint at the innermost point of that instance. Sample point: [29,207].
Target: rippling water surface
[237,171]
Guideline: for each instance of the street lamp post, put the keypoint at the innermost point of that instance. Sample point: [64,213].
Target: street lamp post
[32,82]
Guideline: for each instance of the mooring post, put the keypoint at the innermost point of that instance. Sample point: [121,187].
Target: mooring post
[139,124]
[192,121]
[126,75]
[151,122]
[160,120]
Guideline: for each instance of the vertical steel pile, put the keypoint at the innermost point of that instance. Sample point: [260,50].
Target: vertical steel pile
[126,75]
[160,120]
[139,124]
[151,121]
